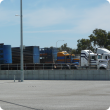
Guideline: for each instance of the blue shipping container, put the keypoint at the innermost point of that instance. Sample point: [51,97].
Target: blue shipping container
[5,54]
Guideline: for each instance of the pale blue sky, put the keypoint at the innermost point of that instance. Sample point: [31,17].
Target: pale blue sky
[47,21]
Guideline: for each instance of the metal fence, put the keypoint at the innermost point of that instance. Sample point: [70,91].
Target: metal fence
[37,66]
[46,66]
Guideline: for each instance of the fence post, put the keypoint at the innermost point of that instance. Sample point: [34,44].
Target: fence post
[14,78]
[70,67]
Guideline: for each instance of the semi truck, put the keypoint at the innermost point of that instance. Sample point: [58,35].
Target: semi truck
[66,61]
[64,57]
[104,52]
[90,59]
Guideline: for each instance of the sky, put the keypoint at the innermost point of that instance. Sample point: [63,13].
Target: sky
[47,23]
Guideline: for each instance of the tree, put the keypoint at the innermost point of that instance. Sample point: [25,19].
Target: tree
[74,51]
[83,44]
[99,38]
[65,48]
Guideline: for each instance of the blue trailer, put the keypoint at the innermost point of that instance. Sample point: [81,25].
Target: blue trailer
[48,55]
[5,54]
[31,54]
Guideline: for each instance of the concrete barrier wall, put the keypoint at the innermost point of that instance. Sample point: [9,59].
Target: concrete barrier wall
[56,74]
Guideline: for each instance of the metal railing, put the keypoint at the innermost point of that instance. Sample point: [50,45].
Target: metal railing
[42,66]
[45,66]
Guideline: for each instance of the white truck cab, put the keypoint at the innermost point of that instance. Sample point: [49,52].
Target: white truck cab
[88,58]
[104,52]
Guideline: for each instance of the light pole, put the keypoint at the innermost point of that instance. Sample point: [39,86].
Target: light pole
[57,41]
[21,46]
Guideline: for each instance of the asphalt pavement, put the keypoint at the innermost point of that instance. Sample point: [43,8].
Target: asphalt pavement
[54,95]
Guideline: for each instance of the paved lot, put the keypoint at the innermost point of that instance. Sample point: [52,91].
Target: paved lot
[54,95]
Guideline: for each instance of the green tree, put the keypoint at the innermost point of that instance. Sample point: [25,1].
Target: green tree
[83,44]
[65,48]
[74,51]
[99,38]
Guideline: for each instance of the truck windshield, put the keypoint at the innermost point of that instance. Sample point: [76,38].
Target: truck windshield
[65,53]
[99,57]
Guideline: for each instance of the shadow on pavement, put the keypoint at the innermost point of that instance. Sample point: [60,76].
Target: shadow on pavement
[20,105]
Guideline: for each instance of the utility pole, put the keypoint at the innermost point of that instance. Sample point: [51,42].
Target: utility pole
[21,46]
